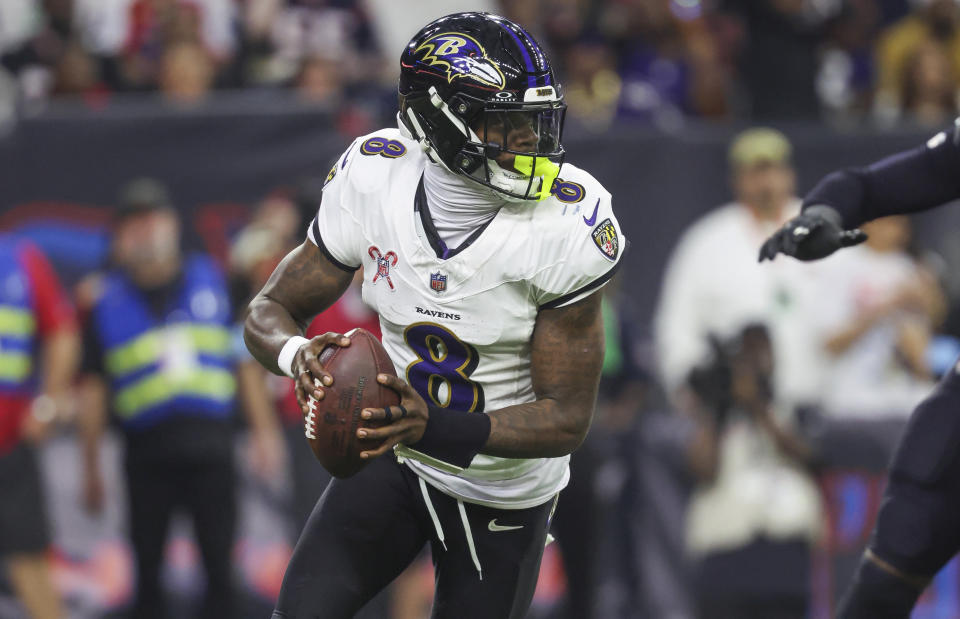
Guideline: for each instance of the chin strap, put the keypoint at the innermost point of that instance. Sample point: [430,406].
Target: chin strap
[419,135]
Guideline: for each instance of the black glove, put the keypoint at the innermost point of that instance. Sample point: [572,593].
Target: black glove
[815,233]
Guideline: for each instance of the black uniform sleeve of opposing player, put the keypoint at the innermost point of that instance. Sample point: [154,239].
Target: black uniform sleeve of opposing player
[908,182]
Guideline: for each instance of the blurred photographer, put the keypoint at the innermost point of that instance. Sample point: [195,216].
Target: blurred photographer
[756,509]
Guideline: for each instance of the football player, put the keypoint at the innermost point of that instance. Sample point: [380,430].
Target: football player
[483,255]
[916,531]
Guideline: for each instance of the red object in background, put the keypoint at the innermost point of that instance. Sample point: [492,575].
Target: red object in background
[53,312]
[345,314]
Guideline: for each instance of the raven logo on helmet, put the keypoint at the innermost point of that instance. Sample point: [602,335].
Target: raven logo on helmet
[460,56]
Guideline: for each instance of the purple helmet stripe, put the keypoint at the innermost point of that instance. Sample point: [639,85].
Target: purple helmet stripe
[527,60]
[541,59]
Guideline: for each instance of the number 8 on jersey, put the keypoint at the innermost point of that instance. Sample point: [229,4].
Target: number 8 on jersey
[441,372]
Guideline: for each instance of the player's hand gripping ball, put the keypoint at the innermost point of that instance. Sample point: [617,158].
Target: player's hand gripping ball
[336,381]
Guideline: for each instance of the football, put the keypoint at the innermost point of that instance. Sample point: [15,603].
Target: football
[332,423]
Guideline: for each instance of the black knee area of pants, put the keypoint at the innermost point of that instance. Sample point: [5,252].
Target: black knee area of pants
[927,451]
[910,525]
[877,594]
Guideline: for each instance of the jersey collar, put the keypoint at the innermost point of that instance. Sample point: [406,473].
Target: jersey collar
[430,230]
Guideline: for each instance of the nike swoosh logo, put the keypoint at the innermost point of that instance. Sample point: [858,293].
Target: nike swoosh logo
[593,217]
[493,526]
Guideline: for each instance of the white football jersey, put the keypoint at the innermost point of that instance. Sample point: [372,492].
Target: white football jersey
[458,328]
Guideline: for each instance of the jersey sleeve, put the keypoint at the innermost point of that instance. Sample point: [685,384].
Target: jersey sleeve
[907,182]
[582,261]
[52,306]
[336,229]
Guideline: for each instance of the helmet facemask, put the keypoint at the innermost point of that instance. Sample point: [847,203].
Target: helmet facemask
[513,148]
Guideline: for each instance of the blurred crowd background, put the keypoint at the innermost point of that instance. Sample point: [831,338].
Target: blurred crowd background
[654,61]
[746,412]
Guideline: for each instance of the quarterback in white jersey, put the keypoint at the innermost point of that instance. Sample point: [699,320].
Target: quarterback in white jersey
[474,307]
[483,254]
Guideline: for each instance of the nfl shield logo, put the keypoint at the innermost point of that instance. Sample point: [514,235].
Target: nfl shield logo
[438,282]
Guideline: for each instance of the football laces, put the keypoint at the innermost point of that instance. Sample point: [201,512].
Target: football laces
[310,421]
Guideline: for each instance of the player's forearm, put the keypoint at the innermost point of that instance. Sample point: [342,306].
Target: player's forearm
[541,429]
[566,360]
[267,328]
[92,419]
[304,284]
[567,356]
[840,341]
[61,356]
[913,341]
[908,182]
[255,397]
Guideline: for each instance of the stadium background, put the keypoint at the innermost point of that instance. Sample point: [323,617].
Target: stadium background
[657,89]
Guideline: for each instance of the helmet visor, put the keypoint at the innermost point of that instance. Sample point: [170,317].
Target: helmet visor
[523,132]
[522,154]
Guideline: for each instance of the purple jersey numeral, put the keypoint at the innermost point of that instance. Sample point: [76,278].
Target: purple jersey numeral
[442,373]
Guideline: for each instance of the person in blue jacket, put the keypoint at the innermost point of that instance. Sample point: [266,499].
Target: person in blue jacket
[159,357]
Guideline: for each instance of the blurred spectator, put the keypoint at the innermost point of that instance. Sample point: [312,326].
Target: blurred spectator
[668,60]
[158,355]
[39,350]
[156,29]
[846,73]
[186,73]
[525,12]
[320,83]
[391,24]
[778,60]
[337,30]
[877,321]
[756,512]
[77,74]
[18,21]
[142,27]
[592,86]
[34,60]
[929,90]
[752,518]
[658,61]
[933,23]
[714,285]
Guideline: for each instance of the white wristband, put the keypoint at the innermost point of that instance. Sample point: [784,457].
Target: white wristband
[288,352]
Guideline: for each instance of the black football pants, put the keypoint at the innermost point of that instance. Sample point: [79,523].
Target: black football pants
[918,526]
[367,529]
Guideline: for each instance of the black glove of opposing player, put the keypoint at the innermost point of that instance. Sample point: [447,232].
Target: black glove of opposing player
[815,233]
